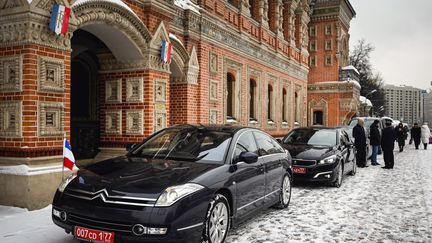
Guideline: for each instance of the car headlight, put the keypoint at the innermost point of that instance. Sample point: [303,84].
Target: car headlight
[328,160]
[64,183]
[175,193]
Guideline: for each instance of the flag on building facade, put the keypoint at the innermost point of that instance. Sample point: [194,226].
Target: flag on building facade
[166,51]
[59,21]
[68,157]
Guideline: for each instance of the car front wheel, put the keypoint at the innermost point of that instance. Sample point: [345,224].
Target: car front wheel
[339,179]
[217,221]
[285,193]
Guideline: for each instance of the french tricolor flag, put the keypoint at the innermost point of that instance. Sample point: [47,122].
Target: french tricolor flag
[68,157]
[59,19]
[166,50]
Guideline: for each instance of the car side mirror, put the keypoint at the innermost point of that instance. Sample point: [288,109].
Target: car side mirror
[247,157]
[129,147]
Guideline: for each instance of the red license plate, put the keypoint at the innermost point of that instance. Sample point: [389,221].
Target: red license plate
[93,235]
[299,170]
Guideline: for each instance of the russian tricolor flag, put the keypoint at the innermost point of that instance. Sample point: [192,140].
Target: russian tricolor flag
[59,19]
[68,157]
[166,50]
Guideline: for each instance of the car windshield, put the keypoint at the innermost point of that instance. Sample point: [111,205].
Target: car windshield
[191,144]
[314,137]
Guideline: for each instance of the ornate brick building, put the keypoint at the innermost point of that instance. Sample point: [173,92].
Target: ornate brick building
[104,85]
[333,90]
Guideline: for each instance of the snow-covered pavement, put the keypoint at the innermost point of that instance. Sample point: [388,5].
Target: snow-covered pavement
[376,205]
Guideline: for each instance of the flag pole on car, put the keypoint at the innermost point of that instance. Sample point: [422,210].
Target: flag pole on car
[68,157]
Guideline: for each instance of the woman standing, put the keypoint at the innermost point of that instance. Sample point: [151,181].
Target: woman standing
[425,134]
[401,135]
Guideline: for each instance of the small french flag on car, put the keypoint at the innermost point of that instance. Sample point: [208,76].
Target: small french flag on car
[166,51]
[59,19]
[68,157]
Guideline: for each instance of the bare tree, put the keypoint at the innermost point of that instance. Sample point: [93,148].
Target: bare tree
[369,80]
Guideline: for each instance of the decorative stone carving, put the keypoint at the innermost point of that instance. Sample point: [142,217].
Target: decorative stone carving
[134,122]
[214,32]
[51,74]
[87,12]
[213,90]
[46,4]
[192,68]
[213,62]
[160,90]
[113,91]
[159,120]
[33,29]
[134,90]
[51,119]
[10,119]
[10,74]
[113,122]
[5,4]
[320,105]
[213,114]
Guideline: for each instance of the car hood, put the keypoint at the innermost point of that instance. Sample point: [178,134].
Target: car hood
[137,177]
[308,152]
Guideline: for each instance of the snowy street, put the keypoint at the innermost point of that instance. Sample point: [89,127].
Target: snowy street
[376,205]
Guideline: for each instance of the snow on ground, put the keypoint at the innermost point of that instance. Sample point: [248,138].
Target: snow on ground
[376,205]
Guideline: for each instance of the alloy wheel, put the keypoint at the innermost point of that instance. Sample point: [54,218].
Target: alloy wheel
[218,223]
[286,190]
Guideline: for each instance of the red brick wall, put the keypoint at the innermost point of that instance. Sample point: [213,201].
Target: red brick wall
[31,144]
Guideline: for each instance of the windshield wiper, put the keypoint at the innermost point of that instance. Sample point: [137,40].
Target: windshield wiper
[180,141]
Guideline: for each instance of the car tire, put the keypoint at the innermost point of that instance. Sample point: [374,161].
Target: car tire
[354,169]
[285,192]
[217,221]
[338,182]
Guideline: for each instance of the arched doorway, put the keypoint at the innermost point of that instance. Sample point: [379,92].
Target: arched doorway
[108,40]
[85,103]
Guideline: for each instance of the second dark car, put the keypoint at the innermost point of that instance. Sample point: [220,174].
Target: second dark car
[320,154]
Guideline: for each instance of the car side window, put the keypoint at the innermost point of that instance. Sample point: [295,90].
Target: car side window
[246,143]
[267,145]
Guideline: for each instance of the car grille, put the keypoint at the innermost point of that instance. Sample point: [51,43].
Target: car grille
[304,163]
[99,224]
[110,199]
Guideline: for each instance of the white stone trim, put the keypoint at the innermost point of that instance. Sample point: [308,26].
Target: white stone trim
[134,122]
[51,118]
[50,74]
[14,64]
[113,122]
[160,90]
[113,91]
[135,90]
[11,119]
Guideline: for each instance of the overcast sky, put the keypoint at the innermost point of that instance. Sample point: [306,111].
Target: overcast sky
[401,32]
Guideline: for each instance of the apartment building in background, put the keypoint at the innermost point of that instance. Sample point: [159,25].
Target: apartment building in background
[403,103]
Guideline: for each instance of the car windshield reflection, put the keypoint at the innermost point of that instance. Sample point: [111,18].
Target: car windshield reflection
[312,137]
[189,144]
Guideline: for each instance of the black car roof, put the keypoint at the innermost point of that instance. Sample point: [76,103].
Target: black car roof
[220,128]
[319,128]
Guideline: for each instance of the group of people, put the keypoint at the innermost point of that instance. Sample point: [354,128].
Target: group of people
[386,140]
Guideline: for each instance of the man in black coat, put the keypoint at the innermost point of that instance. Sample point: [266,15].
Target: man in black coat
[387,145]
[375,141]
[401,135]
[416,135]
[359,135]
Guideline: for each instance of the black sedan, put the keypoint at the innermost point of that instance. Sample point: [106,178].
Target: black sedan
[183,184]
[321,154]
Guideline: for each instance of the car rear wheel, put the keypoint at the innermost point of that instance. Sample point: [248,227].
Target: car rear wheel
[339,179]
[285,193]
[217,222]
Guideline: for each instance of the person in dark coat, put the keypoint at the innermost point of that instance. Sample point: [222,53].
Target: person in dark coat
[416,134]
[359,135]
[387,144]
[375,141]
[401,135]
